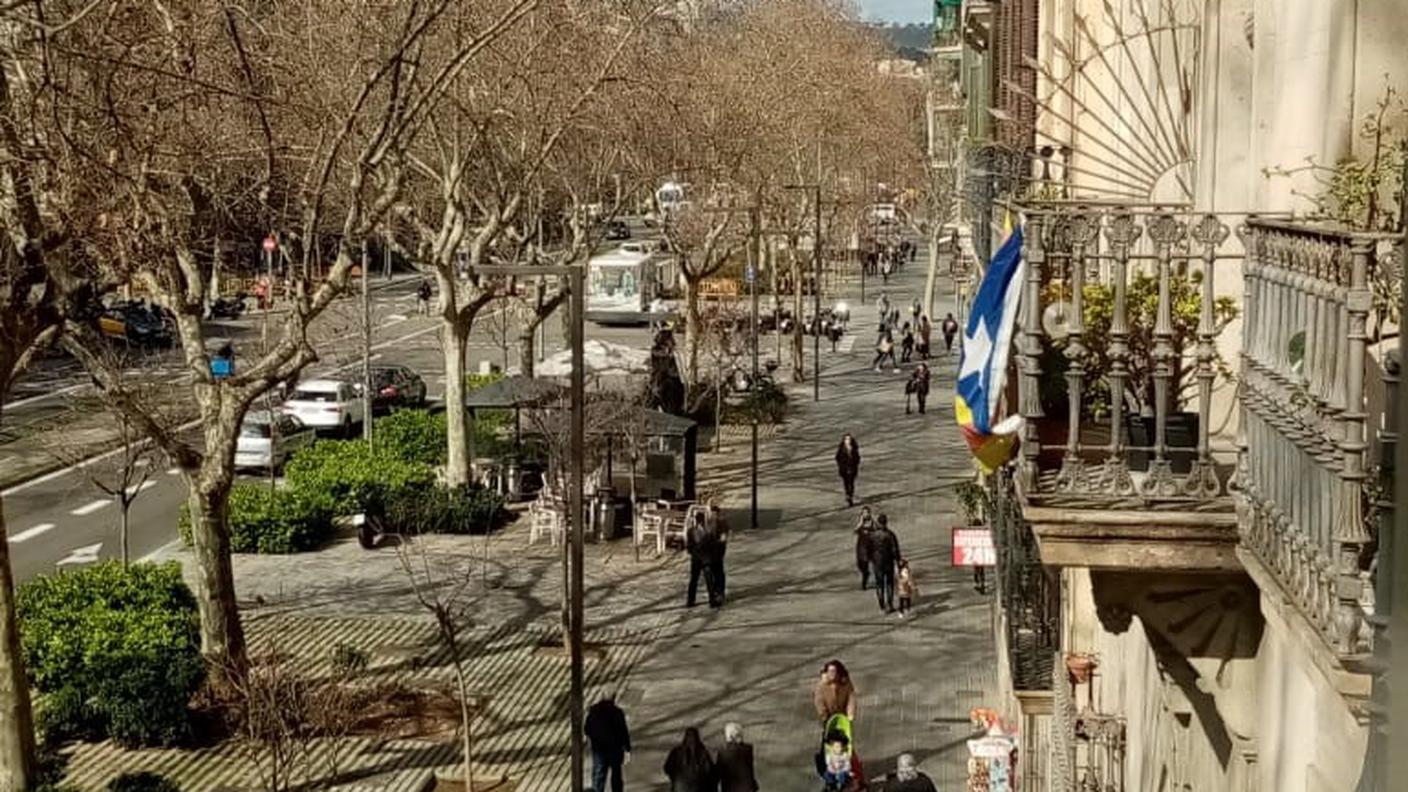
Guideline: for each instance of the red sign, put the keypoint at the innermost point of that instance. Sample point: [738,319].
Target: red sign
[973,547]
[270,244]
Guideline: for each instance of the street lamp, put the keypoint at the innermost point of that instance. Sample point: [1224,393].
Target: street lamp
[816,285]
[576,705]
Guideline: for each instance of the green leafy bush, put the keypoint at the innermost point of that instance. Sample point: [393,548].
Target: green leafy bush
[413,435]
[142,782]
[286,520]
[115,652]
[348,474]
[443,510]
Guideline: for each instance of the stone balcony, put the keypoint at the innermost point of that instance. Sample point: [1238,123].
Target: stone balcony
[1200,400]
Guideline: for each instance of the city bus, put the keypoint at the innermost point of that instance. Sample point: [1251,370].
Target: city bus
[631,285]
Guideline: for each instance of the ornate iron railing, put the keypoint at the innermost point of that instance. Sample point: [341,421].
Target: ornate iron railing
[1304,488]
[1107,344]
[1029,597]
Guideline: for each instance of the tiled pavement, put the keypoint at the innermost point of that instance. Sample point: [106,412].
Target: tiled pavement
[794,603]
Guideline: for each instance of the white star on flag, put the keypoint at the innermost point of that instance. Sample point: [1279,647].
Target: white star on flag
[977,350]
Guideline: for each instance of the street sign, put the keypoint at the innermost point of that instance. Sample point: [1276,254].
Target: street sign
[972,546]
[750,274]
[270,244]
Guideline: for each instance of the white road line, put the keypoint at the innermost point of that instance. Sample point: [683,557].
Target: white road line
[44,396]
[173,471]
[89,508]
[31,533]
[145,485]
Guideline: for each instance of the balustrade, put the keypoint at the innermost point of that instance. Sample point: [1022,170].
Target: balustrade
[1134,330]
[1302,476]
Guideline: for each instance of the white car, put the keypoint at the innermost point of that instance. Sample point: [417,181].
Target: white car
[327,404]
[267,440]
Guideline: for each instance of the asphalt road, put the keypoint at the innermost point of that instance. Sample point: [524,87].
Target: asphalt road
[62,517]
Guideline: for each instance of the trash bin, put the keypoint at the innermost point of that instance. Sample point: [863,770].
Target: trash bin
[515,481]
[604,513]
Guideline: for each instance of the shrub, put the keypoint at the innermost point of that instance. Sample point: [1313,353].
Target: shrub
[115,652]
[142,782]
[286,520]
[413,436]
[443,510]
[348,474]
[768,404]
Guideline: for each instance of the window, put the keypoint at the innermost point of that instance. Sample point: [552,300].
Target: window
[254,430]
[316,396]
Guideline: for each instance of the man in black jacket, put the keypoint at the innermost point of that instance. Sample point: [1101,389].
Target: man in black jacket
[611,743]
[734,762]
[884,557]
[706,557]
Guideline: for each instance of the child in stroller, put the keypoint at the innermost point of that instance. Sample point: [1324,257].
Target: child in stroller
[837,762]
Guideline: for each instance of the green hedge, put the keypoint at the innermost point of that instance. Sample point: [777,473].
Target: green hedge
[413,435]
[285,520]
[443,510]
[348,474]
[114,651]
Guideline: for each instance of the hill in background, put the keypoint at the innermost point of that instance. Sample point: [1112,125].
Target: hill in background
[911,42]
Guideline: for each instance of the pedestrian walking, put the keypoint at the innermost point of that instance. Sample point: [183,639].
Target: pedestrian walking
[864,526]
[918,387]
[950,329]
[882,308]
[848,465]
[906,343]
[734,762]
[423,297]
[894,319]
[926,330]
[884,556]
[610,739]
[886,267]
[914,311]
[905,587]
[885,350]
[689,766]
[705,559]
[907,777]
[835,694]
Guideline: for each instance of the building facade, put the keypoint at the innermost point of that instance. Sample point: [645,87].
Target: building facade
[1194,541]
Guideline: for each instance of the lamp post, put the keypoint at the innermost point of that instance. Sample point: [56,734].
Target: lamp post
[816,285]
[576,586]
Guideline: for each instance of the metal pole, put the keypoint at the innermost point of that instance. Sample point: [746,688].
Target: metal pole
[755,257]
[264,350]
[816,300]
[366,347]
[579,448]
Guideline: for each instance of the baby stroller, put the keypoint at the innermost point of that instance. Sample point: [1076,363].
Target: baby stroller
[837,762]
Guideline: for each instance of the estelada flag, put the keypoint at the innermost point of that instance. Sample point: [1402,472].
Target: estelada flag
[987,342]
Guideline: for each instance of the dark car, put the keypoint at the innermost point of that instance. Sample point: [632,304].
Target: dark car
[396,386]
[617,229]
[137,323]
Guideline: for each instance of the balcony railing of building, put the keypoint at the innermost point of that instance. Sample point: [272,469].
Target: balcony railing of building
[1029,597]
[1119,358]
[1306,491]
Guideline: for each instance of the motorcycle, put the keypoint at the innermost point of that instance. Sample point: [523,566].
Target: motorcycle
[228,307]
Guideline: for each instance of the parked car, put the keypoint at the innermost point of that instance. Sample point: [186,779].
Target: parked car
[327,404]
[617,229]
[396,386]
[268,439]
[137,323]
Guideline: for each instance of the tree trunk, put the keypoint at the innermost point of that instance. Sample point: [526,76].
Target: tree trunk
[17,766]
[799,365]
[526,353]
[931,280]
[454,336]
[693,330]
[126,505]
[221,633]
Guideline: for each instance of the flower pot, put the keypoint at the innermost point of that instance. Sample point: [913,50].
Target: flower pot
[1080,665]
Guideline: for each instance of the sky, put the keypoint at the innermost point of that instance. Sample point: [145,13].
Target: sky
[897,10]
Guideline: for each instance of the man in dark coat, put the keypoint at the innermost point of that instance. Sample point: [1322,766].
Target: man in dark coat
[706,545]
[734,762]
[884,557]
[848,465]
[611,743]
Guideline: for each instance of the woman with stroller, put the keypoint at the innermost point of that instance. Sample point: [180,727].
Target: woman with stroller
[834,694]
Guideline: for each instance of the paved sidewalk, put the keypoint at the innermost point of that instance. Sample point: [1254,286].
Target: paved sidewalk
[794,596]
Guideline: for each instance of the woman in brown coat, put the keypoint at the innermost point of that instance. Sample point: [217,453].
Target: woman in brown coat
[835,695]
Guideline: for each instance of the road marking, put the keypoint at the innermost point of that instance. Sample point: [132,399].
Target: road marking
[145,485]
[87,509]
[88,554]
[31,533]
[44,396]
[847,343]
[173,471]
